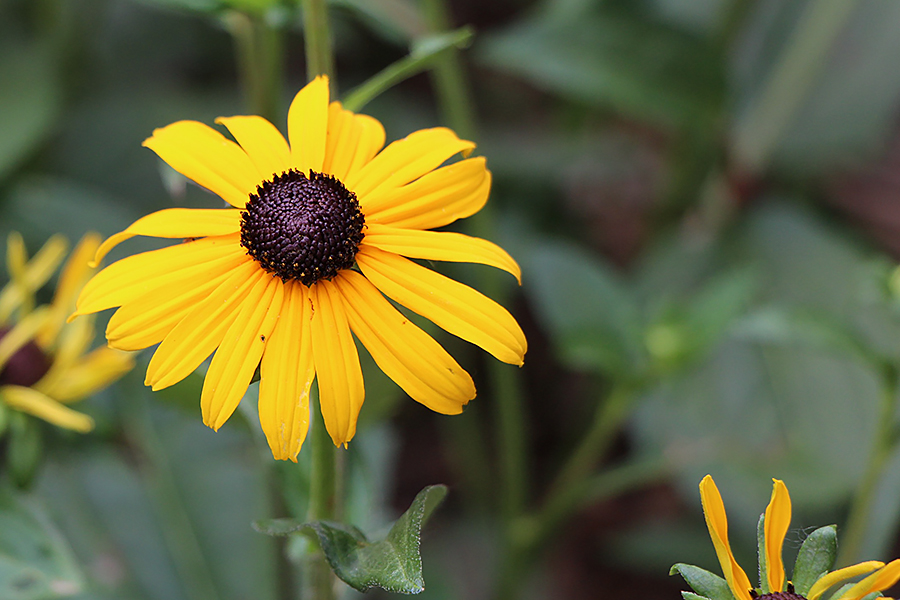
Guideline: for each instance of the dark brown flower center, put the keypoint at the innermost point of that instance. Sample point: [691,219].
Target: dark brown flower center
[788,594]
[26,366]
[302,227]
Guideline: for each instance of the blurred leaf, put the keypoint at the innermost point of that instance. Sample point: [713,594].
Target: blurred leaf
[165,510]
[619,59]
[202,6]
[708,585]
[24,449]
[398,21]
[816,557]
[825,126]
[35,561]
[423,54]
[31,101]
[393,564]
[804,411]
[589,312]
[793,328]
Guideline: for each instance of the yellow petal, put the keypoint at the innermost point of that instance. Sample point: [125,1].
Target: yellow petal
[146,321]
[73,341]
[716,522]
[22,333]
[353,140]
[341,389]
[33,274]
[440,245]
[182,265]
[835,577]
[406,354]
[35,403]
[404,161]
[239,354]
[91,374]
[176,223]
[453,306]
[436,199]
[204,155]
[262,142]
[286,374]
[876,582]
[74,274]
[777,521]
[201,330]
[307,125]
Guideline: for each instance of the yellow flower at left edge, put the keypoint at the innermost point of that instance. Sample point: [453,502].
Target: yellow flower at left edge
[45,363]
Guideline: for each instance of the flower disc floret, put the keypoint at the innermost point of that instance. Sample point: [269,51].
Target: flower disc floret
[26,366]
[302,228]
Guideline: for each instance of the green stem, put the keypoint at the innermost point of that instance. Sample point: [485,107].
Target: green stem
[260,51]
[319,581]
[882,449]
[449,77]
[607,420]
[317,37]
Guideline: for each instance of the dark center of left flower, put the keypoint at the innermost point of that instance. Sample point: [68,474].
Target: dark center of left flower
[303,228]
[26,366]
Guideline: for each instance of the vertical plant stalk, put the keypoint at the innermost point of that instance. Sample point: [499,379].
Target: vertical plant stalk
[884,445]
[318,580]
[449,77]
[317,38]
[260,61]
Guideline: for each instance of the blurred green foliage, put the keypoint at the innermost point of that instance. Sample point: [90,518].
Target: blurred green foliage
[752,318]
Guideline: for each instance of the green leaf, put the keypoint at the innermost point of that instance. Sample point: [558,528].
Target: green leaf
[815,558]
[423,54]
[393,564]
[35,561]
[31,101]
[25,450]
[614,58]
[588,310]
[761,554]
[693,596]
[706,584]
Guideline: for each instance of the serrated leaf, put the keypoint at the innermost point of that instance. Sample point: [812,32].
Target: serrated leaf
[393,564]
[706,584]
[815,558]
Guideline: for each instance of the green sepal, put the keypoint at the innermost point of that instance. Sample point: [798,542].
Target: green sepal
[693,596]
[393,564]
[706,584]
[815,558]
[761,552]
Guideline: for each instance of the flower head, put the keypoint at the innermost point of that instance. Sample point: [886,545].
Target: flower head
[44,362]
[811,576]
[319,232]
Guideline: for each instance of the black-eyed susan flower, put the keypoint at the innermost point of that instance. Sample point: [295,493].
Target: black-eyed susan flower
[812,575]
[44,362]
[319,235]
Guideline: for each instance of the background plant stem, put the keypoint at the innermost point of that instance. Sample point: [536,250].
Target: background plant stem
[319,580]
[317,37]
[882,448]
[260,60]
